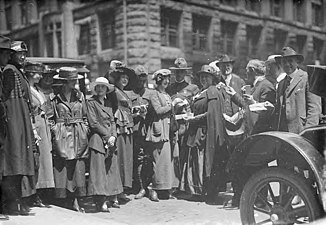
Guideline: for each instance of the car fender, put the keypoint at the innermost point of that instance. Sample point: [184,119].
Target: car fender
[260,149]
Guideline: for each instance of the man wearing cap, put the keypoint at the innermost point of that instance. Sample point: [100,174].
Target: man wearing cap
[180,90]
[18,153]
[297,108]
[140,96]
[5,52]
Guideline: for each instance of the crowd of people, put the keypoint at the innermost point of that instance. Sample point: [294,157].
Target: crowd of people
[156,141]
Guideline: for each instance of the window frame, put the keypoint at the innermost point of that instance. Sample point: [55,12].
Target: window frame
[108,14]
[200,33]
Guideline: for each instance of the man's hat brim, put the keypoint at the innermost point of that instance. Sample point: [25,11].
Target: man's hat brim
[62,78]
[178,68]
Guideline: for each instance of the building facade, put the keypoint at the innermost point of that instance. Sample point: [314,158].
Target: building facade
[155,32]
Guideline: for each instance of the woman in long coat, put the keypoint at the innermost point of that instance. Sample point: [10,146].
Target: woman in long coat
[44,179]
[160,110]
[18,159]
[104,178]
[120,76]
[70,139]
[207,155]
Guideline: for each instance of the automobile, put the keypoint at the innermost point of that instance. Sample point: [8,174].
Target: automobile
[52,65]
[284,174]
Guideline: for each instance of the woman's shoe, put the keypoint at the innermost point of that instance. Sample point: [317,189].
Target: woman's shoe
[140,194]
[104,207]
[77,208]
[115,204]
[153,196]
[123,199]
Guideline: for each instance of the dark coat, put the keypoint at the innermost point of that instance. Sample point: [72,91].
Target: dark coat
[303,108]
[18,153]
[101,122]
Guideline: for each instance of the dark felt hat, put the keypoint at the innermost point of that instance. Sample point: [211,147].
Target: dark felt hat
[224,59]
[33,67]
[180,64]
[289,52]
[5,43]
[206,69]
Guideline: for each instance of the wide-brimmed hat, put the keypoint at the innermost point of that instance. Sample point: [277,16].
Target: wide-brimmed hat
[33,67]
[68,73]
[159,74]
[141,70]
[118,68]
[271,59]
[224,59]
[288,52]
[206,69]
[5,43]
[180,64]
[102,81]
[18,46]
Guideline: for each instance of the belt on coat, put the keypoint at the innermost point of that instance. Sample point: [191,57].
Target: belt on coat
[68,120]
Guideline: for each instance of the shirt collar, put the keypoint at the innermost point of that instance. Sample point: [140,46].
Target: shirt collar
[280,77]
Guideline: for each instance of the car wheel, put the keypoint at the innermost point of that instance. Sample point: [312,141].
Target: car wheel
[278,196]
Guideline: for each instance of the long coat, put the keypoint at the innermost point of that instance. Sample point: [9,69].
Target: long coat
[18,154]
[303,108]
[104,178]
[70,126]
[40,124]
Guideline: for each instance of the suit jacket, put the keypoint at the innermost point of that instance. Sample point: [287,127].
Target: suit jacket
[101,122]
[303,108]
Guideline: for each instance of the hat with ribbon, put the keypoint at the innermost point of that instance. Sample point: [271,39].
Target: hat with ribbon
[18,46]
[288,52]
[68,73]
[141,70]
[206,69]
[224,59]
[214,65]
[180,64]
[118,68]
[5,43]
[34,67]
[101,81]
[160,74]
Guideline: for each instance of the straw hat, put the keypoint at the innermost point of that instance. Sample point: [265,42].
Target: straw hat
[34,67]
[18,46]
[68,73]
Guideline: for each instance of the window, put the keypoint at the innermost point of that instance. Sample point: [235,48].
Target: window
[318,47]
[279,39]
[301,43]
[229,2]
[277,7]
[200,29]
[107,29]
[84,39]
[23,11]
[253,5]
[8,14]
[317,12]
[53,40]
[228,31]
[253,35]
[299,12]
[170,27]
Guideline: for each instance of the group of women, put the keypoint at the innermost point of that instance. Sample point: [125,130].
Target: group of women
[54,140]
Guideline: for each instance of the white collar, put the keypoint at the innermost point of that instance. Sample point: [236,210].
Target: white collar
[280,77]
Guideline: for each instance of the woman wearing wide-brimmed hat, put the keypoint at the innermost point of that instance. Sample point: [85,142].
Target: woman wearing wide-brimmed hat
[41,129]
[206,142]
[18,152]
[123,78]
[70,138]
[104,174]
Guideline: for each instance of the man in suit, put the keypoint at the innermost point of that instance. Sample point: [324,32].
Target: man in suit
[297,108]
[274,70]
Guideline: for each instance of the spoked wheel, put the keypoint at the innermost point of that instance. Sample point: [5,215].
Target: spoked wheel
[278,196]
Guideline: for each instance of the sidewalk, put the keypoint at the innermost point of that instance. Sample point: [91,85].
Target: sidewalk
[58,216]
